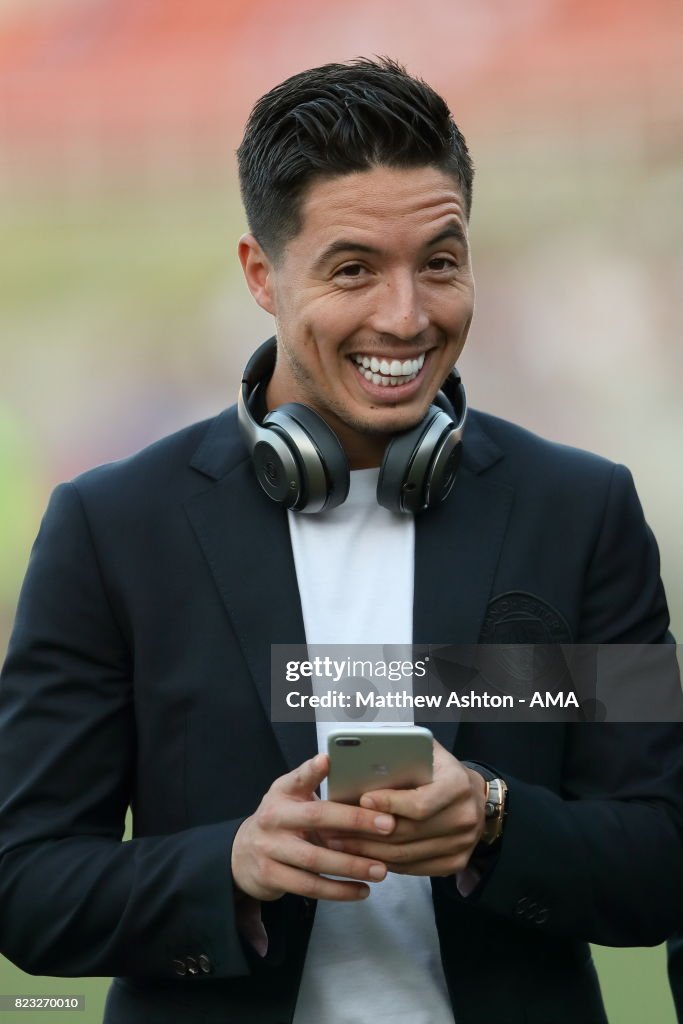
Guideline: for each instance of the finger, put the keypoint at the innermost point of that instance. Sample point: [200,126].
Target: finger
[440,755]
[455,819]
[401,853]
[451,785]
[303,883]
[322,861]
[416,804]
[305,779]
[325,815]
[439,867]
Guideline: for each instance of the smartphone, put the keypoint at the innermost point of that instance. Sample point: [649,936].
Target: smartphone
[364,759]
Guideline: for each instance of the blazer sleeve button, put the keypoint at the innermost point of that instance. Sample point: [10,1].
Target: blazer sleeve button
[205,964]
[521,905]
[179,966]
[192,965]
[542,916]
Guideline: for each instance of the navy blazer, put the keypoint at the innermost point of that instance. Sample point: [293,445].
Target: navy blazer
[138,673]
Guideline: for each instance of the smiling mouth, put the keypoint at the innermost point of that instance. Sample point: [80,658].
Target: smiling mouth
[388,372]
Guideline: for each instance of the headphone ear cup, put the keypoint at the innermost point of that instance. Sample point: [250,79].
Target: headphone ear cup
[323,469]
[419,466]
[392,487]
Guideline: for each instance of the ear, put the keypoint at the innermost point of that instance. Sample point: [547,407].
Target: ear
[258,272]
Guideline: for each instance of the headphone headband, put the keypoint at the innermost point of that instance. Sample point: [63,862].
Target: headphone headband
[261,364]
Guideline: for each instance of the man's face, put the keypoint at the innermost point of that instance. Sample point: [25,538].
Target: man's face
[373,299]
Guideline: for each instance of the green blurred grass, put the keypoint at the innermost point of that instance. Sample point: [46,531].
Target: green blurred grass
[151,255]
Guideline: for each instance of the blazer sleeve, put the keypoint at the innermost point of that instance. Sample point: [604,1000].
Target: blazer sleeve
[602,860]
[74,899]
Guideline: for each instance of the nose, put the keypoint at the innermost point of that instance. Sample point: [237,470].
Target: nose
[399,309]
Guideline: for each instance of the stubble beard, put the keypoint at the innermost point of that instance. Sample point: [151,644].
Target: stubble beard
[334,414]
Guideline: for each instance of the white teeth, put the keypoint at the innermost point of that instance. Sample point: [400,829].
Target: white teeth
[395,368]
[389,374]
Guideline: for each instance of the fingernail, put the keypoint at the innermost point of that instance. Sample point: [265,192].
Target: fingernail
[367,801]
[384,822]
[377,872]
[335,844]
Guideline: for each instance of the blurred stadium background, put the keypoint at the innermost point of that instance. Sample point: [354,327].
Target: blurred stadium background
[124,316]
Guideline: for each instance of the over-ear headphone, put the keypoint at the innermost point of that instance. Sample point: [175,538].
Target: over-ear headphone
[301,464]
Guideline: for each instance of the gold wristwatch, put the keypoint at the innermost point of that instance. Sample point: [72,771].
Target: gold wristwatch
[495,801]
[496,797]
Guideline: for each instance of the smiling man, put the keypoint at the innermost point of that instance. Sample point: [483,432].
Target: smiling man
[138,671]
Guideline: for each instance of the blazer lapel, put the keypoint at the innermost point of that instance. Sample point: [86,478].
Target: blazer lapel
[457,546]
[245,540]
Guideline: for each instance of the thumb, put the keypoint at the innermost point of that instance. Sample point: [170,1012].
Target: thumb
[307,777]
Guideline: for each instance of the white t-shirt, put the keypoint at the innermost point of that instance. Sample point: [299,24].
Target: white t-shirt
[376,960]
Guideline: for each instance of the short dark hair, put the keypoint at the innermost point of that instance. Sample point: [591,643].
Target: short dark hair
[337,119]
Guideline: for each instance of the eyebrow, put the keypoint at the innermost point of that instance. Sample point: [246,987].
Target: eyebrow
[453,230]
[450,231]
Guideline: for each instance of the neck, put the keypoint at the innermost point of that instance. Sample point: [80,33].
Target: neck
[364,453]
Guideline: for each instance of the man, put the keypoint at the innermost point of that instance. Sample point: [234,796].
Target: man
[139,667]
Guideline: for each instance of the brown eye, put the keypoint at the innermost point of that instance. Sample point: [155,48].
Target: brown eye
[440,263]
[350,270]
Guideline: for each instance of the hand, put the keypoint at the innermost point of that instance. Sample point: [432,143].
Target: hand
[438,824]
[280,848]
